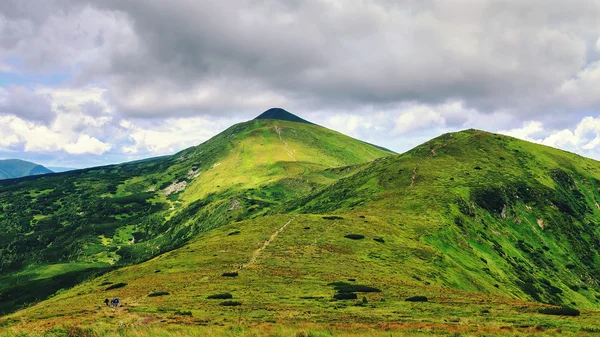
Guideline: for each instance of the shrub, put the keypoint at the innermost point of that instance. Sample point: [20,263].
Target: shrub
[379,239]
[223,296]
[570,266]
[417,299]
[560,311]
[230,274]
[354,236]
[234,233]
[332,217]
[117,286]
[159,293]
[183,313]
[343,287]
[345,296]
[230,303]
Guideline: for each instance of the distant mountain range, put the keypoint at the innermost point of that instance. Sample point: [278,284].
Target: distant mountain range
[16,168]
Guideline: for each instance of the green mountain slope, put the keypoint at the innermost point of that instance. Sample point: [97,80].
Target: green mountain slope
[16,168]
[504,216]
[490,229]
[63,228]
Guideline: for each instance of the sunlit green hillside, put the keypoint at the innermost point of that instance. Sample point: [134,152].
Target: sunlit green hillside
[282,228]
[60,229]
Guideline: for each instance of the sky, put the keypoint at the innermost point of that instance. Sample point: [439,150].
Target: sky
[86,83]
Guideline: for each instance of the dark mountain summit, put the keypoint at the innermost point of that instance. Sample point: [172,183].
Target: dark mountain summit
[281,114]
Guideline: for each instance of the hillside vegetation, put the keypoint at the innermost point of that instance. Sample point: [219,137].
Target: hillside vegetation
[284,225]
[61,229]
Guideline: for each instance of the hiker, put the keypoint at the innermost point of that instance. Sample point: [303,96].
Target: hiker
[106,301]
[115,302]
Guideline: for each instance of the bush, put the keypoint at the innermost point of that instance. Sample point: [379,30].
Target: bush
[417,299]
[223,296]
[560,311]
[230,274]
[183,313]
[354,236]
[570,266]
[230,303]
[332,217]
[117,286]
[343,287]
[159,293]
[379,239]
[234,233]
[345,296]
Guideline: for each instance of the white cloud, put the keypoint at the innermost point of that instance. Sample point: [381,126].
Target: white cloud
[529,130]
[87,144]
[582,90]
[583,139]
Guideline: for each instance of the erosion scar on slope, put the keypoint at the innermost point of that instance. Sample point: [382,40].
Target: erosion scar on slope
[266,244]
[286,145]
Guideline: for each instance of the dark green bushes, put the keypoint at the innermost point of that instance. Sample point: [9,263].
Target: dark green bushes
[230,303]
[345,296]
[183,313]
[379,239]
[343,287]
[234,233]
[230,274]
[491,199]
[354,236]
[417,299]
[560,311]
[117,286]
[332,217]
[223,296]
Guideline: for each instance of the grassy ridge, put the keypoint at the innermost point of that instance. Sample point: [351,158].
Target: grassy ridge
[491,231]
[102,218]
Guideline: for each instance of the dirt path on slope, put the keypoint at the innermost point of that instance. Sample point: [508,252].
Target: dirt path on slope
[433,154]
[414,176]
[266,244]
[286,145]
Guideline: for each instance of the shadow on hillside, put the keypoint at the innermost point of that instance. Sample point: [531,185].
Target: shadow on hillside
[21,294]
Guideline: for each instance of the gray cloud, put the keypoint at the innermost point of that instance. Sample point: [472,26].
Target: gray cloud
[493,55]
[462,63]
[22,102]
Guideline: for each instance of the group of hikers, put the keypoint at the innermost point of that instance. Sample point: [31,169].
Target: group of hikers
[112,303]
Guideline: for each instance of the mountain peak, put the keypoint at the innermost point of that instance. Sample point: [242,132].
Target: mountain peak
[281,114]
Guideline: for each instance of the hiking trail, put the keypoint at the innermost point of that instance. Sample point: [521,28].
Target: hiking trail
[286,145]
[266,244]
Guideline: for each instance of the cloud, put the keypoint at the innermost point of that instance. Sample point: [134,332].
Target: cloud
[135,75]
[22,102]
[87,144]
[185,58]
[527,132]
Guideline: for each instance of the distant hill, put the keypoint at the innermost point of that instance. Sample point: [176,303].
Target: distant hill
[16,168]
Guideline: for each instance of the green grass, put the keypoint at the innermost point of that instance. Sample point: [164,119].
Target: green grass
[495,232]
